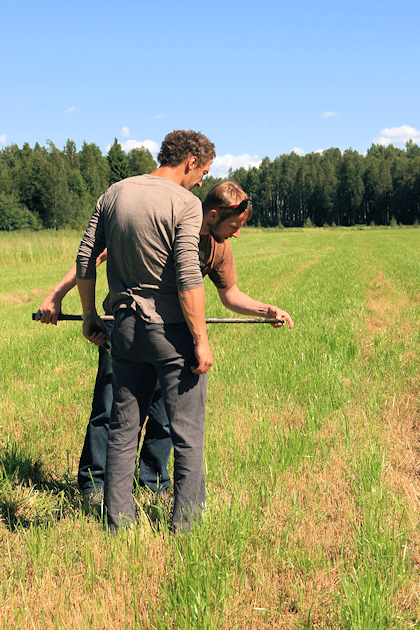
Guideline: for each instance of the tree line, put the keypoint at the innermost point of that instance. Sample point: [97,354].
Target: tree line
[334,188]
[44,187]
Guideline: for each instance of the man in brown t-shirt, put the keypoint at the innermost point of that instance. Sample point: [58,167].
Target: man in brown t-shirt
[226,209]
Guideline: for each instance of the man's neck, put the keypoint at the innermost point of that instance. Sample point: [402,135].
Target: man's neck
[204,230]
[175,173]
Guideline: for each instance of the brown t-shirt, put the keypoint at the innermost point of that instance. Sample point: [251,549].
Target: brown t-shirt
[216,261]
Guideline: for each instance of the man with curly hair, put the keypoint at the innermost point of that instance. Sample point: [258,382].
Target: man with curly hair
[179,145]
[150,226]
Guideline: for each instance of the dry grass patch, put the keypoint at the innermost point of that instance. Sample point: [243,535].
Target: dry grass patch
[10,420]
[110,584]
[305,535]
[19,297]
[385,309]
[401,422]
[291,417]
[397,427]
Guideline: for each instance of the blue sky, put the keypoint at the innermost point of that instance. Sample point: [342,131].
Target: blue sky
[259,78]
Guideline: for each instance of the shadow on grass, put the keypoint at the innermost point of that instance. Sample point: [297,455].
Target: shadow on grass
[28,493]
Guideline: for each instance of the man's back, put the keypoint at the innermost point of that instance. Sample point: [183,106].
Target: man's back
[150,226]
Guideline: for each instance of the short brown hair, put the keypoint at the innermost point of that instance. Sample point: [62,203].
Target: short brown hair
[179,145]
[224,195]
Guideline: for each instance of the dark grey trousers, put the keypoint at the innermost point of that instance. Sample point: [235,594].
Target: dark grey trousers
[141,352]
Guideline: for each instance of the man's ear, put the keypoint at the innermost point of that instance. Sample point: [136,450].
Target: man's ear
[191,163]
[213,214]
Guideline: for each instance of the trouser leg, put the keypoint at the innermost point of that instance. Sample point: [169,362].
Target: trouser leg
[131,381]
[184,395]
[156,447]
[187,431]
[157,442]
[139,351]
[91,473]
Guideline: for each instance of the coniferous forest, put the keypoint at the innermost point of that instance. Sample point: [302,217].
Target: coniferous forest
[44,187]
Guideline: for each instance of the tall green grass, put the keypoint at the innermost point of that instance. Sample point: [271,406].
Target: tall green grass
[310,452]
[43,246]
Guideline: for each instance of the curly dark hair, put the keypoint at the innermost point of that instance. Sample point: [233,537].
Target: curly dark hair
[179,145]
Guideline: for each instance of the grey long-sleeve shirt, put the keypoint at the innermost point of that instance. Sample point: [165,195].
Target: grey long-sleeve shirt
[150,226]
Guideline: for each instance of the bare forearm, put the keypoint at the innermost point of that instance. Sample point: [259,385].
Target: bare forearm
[68,281]
[239,302]
[50,307]
[193,306]
[66,284]
[87,287]
[87,294]
[94,329]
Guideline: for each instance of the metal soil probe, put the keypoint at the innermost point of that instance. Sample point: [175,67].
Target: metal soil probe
[209,320]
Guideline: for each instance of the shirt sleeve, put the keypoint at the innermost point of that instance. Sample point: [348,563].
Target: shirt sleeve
[187,229]
[92,244]
[223,273]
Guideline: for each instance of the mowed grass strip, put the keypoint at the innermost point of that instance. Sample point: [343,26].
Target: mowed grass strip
[310,454]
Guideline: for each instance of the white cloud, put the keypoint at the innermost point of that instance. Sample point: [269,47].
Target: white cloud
[221,164]
[398,135]
[71,110]
[320,151]
[125,132]
[3,138]
[160,116]
[328,115]
[298,151]
[152,146]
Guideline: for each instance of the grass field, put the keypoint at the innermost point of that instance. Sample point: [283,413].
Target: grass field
[311,451]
